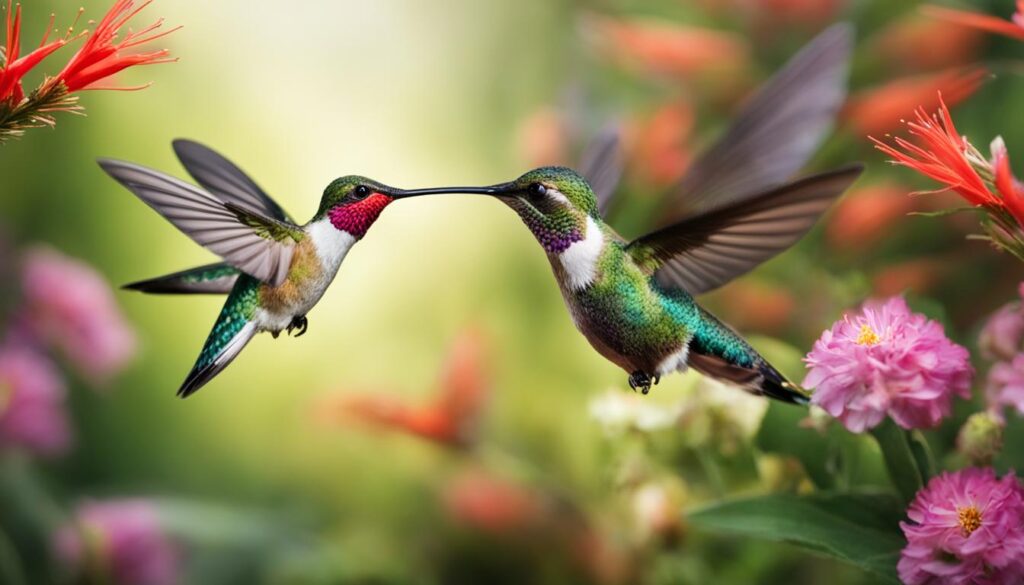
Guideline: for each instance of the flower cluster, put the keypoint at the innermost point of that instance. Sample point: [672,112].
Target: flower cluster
[985,183]
[102,55]
[63,305]
[122,537]
[965,527]
[886,360]
[1002,340]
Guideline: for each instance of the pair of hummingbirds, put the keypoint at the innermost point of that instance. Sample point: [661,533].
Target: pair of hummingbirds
[633,300]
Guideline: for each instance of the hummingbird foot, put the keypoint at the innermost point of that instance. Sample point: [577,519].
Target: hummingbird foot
[640,380]
[299,322]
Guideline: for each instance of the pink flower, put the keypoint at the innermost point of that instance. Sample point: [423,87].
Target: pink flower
[1003,333]
[965,527]
[121,538]
[886,360]
[71,306]
[32,413]
[1005,386]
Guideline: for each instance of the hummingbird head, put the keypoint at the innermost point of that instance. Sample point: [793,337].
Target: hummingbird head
[353,203]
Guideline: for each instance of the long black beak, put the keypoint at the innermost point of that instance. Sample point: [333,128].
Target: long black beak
[500,190]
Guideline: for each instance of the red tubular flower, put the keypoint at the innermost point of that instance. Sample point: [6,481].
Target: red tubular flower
[665,48]
[102,55]
[943,156]
[16,66]
[878,109]
[1009,187]
[450,419]
[1013,29]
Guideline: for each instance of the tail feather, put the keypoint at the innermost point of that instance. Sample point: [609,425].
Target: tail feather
[216,278]
[232,331]
[211,361]
[761,379]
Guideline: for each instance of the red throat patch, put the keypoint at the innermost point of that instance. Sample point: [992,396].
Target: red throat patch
[356,218]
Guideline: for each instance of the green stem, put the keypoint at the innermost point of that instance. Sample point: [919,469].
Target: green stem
[904,468]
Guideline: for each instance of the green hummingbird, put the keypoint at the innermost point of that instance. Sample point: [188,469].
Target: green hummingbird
[274,270]
[634,300]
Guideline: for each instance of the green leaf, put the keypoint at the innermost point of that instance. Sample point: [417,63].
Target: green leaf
[900,459]
[861,529]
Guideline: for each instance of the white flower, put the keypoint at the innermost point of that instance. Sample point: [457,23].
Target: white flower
[618,411]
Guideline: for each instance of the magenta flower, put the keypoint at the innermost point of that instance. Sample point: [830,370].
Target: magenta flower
[1005,386]
[1003,333]
[71,306]
[886,360]
[121,538]
[965,527]
[32,415]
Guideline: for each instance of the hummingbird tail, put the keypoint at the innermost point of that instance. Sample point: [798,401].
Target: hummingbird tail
[222,347]
[774,385]
[209,279]
[761,379]
[232,331]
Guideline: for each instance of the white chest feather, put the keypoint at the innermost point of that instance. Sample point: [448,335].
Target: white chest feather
[580,259]
[331,245]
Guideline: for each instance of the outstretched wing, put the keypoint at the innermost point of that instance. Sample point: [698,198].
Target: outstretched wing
[776,132]
[224,179]
[259,246]
[704,252]
[601,165]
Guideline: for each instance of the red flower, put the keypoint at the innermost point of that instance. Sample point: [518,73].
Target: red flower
[1011,28]
[945,156]
[662,47]
[450,419]
[1009,187]
[102,55]
[660,144]
[877,110]
[16,66]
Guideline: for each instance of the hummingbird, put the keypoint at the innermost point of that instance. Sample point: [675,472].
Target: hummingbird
[274,270]
[634,300]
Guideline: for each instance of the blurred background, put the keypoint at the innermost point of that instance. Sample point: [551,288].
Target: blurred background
[443,421]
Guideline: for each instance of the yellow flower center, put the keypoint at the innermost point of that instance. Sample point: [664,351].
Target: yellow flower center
[867,336]
[969,518]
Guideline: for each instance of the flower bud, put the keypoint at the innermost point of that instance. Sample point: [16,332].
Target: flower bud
[980,439]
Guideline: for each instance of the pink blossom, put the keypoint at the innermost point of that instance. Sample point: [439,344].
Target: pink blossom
[1003,333]
[127,538]
[886,360]
[965,527]
[32,413]
[1005,386]
[71,306]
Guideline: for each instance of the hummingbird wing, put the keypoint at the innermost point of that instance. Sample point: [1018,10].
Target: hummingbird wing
[216,278]
[601,164]
[224,179]
[259,246]
[704,252]
[775,134]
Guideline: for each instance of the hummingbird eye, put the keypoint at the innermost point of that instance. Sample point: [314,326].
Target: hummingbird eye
[536,190]
[361,191]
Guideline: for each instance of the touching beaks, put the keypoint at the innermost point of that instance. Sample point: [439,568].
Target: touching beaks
[500,190]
